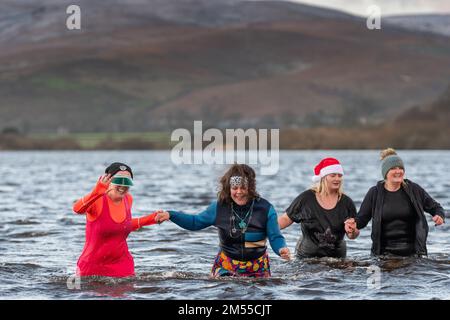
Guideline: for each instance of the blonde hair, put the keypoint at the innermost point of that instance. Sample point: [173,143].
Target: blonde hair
[386,153]
[321,188]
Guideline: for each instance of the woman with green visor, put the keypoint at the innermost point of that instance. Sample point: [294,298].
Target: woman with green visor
[108,224]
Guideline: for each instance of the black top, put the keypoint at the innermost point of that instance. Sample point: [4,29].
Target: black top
[398,223]
[372,209]
[320,227]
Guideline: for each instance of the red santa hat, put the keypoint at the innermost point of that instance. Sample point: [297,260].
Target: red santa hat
[325,167]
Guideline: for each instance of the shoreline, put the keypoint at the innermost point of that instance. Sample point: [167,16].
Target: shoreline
[292,139]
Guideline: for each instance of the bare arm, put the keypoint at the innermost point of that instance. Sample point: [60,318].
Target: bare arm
[284,221]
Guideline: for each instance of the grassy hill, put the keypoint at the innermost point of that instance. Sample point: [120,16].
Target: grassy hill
[157,65]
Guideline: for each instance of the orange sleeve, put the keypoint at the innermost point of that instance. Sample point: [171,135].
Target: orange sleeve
[85,204]
[138,223]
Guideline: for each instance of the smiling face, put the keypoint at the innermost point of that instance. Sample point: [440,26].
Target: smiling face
[121,190]
[395,175]
[333,182]
[239,194]
[117,193]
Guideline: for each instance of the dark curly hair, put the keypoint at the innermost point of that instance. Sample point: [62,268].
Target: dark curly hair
[243,170]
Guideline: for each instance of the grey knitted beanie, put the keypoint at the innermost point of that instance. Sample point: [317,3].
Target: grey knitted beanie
[391,162]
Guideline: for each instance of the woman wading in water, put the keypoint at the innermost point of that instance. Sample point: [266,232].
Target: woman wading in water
[108,224]
[396,207]
[244,221]
[321,212]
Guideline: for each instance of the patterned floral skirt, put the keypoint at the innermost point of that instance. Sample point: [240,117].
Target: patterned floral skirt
[225,266]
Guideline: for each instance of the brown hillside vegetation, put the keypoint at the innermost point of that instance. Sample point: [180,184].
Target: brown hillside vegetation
[417,128]
[232,64]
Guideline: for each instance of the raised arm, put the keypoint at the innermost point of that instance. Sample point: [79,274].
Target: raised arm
[83,205]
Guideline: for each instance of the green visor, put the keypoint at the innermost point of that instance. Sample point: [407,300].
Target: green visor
[122,181]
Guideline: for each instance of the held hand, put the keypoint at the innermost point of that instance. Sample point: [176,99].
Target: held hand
[350,225]
[285,254]
[350,228]
[438,220]
[353,235]
[162,216]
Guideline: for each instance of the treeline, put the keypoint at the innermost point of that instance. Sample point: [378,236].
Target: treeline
[417,128]
[400,137]
[23,142]
[423,137]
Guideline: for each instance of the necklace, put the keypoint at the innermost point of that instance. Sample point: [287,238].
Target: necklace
[243,224]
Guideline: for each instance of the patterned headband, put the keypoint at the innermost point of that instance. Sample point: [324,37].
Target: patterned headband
[237,181]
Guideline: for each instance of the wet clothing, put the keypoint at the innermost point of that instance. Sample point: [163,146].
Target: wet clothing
[398,227]
[108,225]
[307,248]
[322,230]
[373,206]
[226,266]
[92,207]
[243,244]
[106,251]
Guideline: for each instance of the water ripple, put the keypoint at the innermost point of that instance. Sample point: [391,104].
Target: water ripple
[41,239]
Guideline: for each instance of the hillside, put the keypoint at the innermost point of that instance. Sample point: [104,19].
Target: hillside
[151,65]
[431,23]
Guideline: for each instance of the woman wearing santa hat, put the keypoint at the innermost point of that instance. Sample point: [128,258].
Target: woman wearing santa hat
[396,207]
[321,212]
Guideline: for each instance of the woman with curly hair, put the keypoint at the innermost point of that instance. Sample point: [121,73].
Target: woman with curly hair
[244,221]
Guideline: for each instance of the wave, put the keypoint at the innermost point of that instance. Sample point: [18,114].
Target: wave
[31,234]
[23,222]
[18,267]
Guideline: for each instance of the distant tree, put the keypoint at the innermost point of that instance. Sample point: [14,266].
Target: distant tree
[11,131]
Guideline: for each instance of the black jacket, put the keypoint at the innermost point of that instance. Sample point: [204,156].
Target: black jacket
[372,206]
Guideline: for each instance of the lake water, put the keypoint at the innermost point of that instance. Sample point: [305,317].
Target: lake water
[41,238]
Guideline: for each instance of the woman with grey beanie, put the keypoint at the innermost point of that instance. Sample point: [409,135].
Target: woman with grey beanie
[397,205]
